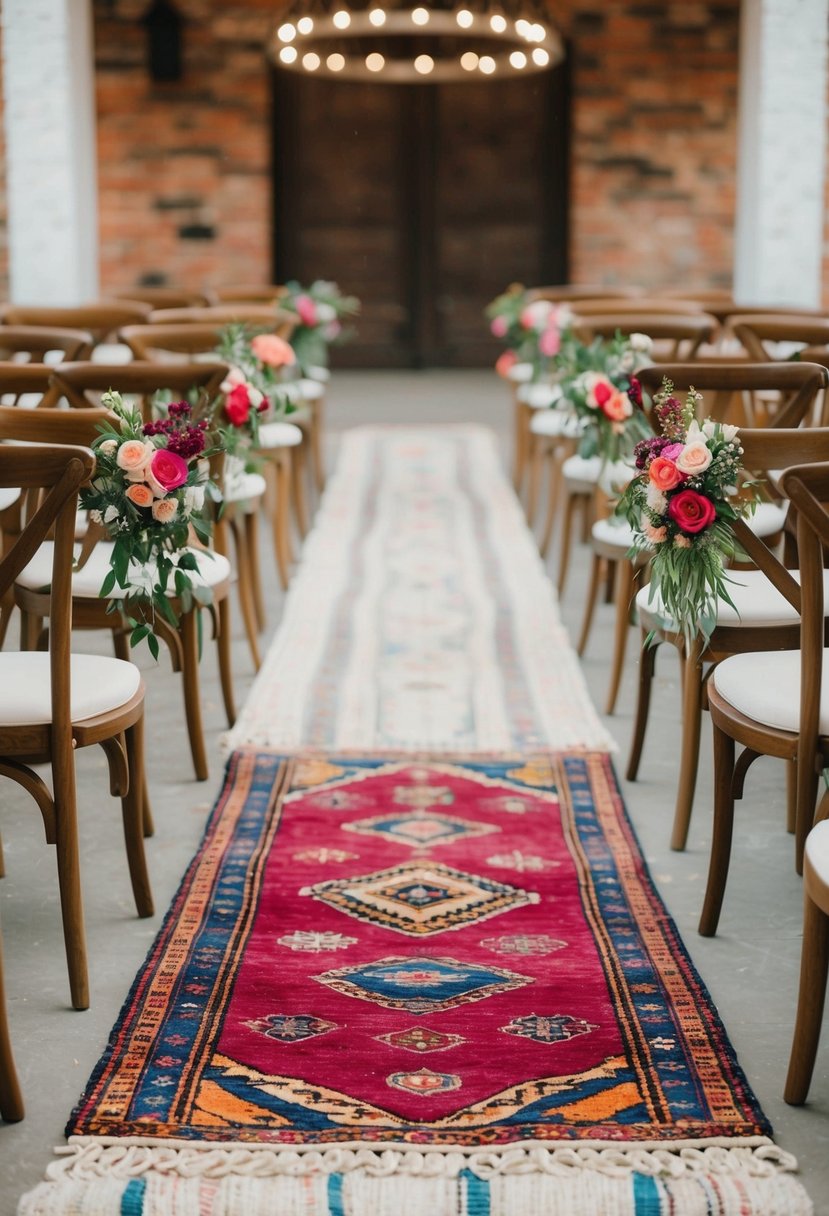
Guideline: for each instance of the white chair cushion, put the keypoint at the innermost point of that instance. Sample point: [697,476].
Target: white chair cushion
[757,599]
[8,497]
[817,850]
[244,487]
[98,684]
[319,373]
[279,435]
[614,531]
[765,686]
[111,352]
[767,519]
[582,471]
[311,390]
[555,423]
[520,373]
[86,582]
[538,396]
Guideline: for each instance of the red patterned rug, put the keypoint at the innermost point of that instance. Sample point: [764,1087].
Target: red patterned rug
[463,962]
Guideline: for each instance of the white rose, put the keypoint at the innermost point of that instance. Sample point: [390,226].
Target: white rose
[325,314]
[96,516]
[627,362]
[641,342]
[255,397]
[111,514]
[193,499]
[108,446]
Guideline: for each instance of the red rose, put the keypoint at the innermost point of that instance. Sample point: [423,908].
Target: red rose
[692,512]
[237,405]
[602,392]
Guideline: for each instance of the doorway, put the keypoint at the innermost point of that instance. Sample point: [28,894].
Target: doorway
[425,201]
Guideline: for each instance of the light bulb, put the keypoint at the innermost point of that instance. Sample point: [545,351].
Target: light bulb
[286,32]
[375,62]
[539,33]
[288,54]
[518,59]
[424,64]
[311,61]
[523,27]
[420,16]
[305,25]
[464,18]
[469,61]
[540,57]
[342,19]
[377,16]
[498,24]
[335,62]
[487,64]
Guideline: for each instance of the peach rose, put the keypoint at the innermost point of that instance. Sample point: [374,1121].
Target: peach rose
[655,535]
[505,362]
[617,407]
[134,454]
[664,474]
[164,510]
[140,495]
[694,458]
[273,350]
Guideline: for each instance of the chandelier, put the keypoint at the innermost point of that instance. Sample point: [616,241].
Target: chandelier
[403,43]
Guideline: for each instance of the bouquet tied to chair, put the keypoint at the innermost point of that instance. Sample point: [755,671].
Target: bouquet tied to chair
[532,330]
[255,389]
[152,495]
[322,313]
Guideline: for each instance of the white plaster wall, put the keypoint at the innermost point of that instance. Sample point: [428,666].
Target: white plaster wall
[781,160]
[50,151]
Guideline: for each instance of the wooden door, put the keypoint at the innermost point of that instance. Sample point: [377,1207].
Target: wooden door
[423,200]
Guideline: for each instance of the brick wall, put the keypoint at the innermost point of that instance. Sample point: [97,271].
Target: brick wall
[184,169]
[4,243]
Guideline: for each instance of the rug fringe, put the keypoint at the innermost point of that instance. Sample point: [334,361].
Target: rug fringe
[92,1179]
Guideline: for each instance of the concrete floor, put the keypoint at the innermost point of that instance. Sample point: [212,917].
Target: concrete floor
[751,968]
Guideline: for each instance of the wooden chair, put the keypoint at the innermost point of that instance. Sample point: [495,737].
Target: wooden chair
[82,384]
[276,320]
[102,318]
[656,306]
[763,618]
[37,341]
[773,702]
[566,293]
[164,297]
[11,1099]
[247,293]
[761,334]
[51,704]
[32,381]
[90,609]
[281,442]
[814,965]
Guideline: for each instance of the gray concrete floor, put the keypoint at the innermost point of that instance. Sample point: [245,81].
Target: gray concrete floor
[751,968]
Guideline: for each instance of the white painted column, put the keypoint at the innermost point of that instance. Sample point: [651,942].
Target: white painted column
[781,158]
[48,84]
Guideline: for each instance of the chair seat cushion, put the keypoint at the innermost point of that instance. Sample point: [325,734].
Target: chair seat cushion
[555,423]
[319,373]
[767,519]
[756,598]
[86,582]
[98,684]
[538,396]
[279,435]
[765,686]
[817,850]
[614,531]
[244,487]
[8,497]
[521,373]
[311,390]
[583,470]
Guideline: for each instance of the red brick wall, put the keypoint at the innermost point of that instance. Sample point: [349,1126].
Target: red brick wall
[4,243]
[184,169]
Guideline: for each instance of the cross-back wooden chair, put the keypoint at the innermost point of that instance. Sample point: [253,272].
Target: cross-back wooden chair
[814,965]
[165,297]
[774,702]
[281,443]
[11,1099]
[37,341]
[572,292]
[101,318]
[90,611]
[656,306]
[247,293]
[277,320]
[768,337]
[82,384]
[52,703]
[763,618]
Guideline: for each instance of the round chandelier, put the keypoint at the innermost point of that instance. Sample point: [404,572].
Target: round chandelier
[405,43]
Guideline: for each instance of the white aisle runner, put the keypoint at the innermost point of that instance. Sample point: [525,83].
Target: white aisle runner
[421,617]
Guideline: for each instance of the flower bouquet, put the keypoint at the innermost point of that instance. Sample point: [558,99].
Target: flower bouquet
[681,505]
[532,330]
[322,310]
[149,490]
[254,388]
[598,384]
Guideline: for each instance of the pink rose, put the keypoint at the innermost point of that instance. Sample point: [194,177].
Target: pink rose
[134,454]
[164,510]
[498,327]
[505,362]
[273,350]
[694,458]
[672,451]
[550,342]
[664,474]
[168,469]
[140,495]
[692,512]
[332,331]
[306,309]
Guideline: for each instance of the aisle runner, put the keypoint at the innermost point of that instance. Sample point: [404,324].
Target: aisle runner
[421,617]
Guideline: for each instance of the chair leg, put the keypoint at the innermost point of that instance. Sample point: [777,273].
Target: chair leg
[814,970]
[689,760]
[590,603]
[30,630]
[146,809]
[566,536]
[520,441]
[553,485]
[791,796]
[6,609]
[536,461]
[251,524]
[244,590]
[11,1099]
[298,488]
[722,830]
[225,663]
[188,629]
[69,882]
[279,519]
[625,580]
[315,438]
[647,666]
[807,786]
[132,811]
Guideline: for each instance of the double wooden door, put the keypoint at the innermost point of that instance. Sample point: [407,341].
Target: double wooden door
[423,200]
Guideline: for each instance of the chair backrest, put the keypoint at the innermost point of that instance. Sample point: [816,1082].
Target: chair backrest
[263,316]
[652,305]
[165,297]
[82,383]
[570,292]
[683,332]
[101,318]
[32,380]
[760,333]
[729,388]
[37,340]
[247,293]
[170,342]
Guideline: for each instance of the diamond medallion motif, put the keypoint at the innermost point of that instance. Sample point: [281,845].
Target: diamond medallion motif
[310,942]
[420,829]
[420,1039]
[421,985]
[523,943]
[419,897]
[556,1028]
[424,1082]
[291,1027]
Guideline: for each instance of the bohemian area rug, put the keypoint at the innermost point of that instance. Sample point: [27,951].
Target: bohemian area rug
[421,616]
[435,986]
